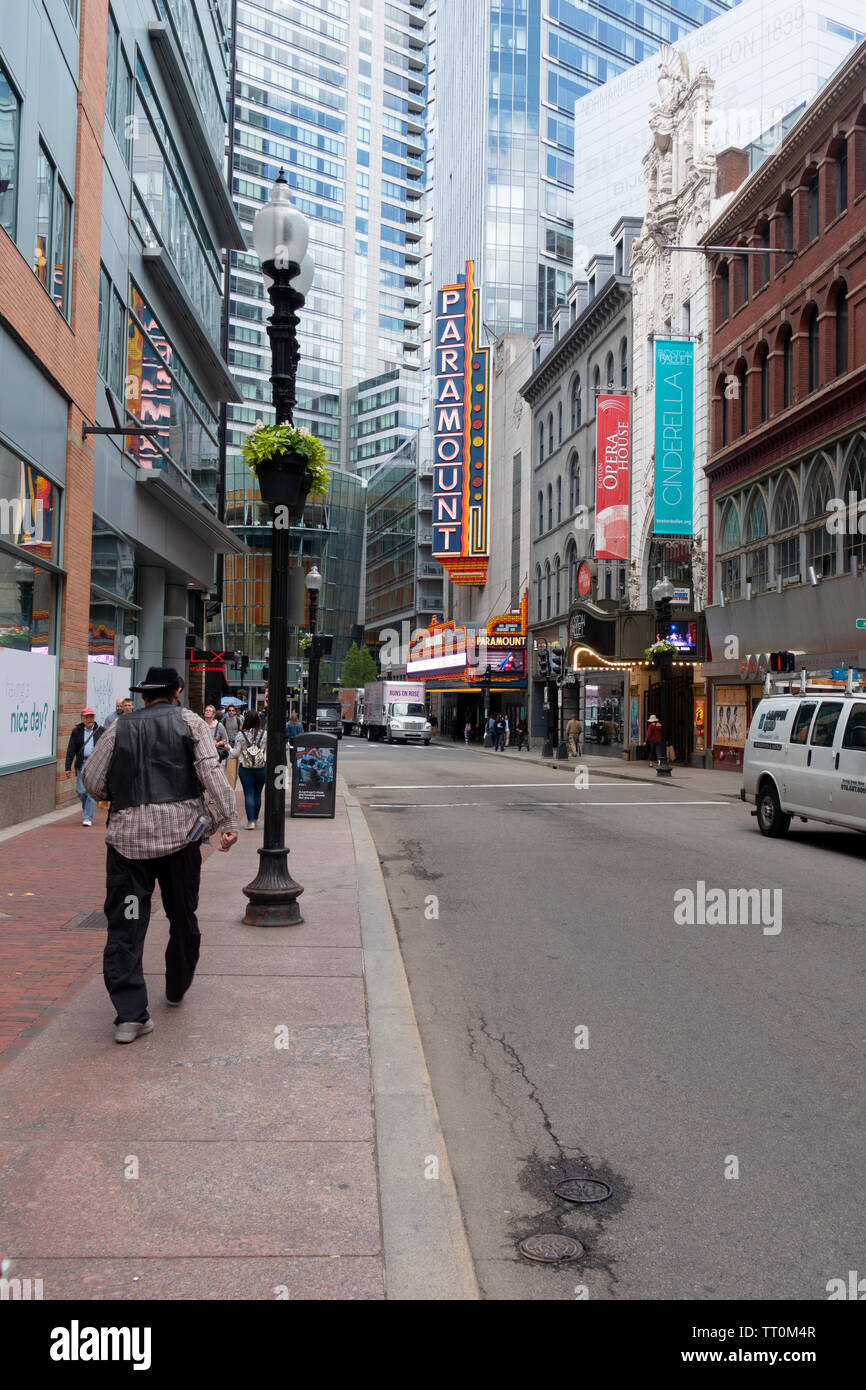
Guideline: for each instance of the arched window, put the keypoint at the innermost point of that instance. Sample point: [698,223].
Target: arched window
[541,513]
[855,481]
[787,366]
[559,421]
[764,367]
[559,499]
[571,565]
[723,292]
[550,433]
[742,396]
[842,329]
[609,371]
[724,423]
[547,584]
[820,542]
[541,442]
[623,365]
[813,205]
[786,516]
[596,387]
[556,570]
[812,359]
[549,506]
[575,404]
[757,560]
[762,263]
[729,541]
[538,593]
[574,484]
[842,176]
[787,210]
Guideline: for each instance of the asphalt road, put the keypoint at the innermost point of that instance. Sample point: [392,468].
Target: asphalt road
[719,1090]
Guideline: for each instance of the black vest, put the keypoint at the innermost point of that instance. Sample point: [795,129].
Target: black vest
[153,759]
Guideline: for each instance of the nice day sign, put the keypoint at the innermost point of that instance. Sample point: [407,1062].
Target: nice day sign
[28,685]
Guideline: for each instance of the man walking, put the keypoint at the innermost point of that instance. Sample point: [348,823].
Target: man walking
[113,718]
[574,734]
[522,734]
[82,742]
[159,766]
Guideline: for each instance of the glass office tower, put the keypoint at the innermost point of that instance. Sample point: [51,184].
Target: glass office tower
[334,92]
[506,75]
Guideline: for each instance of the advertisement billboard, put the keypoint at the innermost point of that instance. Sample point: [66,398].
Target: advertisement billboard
[314,776]
[674,437]
[612,451]
[28,684]
[462,372]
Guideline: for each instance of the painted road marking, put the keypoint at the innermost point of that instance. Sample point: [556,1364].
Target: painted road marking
[467,786]
[435,805]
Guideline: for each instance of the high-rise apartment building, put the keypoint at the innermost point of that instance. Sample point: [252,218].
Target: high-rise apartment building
[506,74]
[334,93]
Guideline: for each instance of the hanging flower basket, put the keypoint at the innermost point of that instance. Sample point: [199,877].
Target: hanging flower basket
[661,653]
[288,463]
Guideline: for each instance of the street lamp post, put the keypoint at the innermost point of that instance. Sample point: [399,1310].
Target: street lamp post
[662,594]
[280,235]
[313,583]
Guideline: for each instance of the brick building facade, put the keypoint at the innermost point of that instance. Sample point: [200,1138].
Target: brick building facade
[788,391]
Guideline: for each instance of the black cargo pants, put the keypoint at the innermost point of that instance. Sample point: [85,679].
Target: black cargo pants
[129,888]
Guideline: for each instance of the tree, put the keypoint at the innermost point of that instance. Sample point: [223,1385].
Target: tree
[358,668]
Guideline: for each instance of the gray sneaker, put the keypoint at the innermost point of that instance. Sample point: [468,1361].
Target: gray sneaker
[128,1032]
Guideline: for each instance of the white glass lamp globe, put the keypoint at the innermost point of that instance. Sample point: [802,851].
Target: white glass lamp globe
[280,226]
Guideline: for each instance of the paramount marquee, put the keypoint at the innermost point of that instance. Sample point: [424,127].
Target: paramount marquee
[462,367]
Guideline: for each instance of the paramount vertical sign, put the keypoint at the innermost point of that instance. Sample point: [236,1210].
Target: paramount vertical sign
[675,438]
[462,369]
[612,452]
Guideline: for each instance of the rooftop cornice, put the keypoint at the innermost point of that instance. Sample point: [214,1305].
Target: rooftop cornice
[847,85]
[611,299]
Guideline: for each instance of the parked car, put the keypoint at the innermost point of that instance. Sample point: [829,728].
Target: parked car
[805,756]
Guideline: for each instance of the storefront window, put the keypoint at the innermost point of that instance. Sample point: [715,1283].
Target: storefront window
[27,506]
[10,114]
[26,606]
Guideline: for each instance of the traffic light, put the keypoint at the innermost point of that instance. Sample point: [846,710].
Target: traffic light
[782,661]
[543,663]
[557,662]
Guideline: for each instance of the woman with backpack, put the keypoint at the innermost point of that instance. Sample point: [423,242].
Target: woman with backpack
[250,750]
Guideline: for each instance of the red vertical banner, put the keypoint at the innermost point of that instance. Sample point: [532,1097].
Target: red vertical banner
[612,455]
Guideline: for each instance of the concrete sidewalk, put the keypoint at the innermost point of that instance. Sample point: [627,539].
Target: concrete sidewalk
[248,1148]
[709,780]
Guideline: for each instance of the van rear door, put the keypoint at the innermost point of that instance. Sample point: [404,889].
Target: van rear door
[849,799]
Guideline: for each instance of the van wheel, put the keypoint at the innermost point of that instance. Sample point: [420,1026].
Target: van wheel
[772,820]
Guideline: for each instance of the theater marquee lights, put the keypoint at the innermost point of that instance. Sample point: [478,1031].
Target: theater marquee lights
[460,540]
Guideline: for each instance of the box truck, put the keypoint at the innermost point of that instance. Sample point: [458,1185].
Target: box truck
[394,710]
[351,705]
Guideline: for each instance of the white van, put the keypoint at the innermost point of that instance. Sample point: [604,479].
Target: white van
[805,756]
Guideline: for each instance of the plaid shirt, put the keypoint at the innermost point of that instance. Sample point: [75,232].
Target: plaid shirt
[146,832]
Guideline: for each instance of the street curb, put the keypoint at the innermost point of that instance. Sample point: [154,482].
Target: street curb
[47,819]
[426,1251]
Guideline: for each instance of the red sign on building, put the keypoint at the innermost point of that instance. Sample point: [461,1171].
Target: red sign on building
[613,449]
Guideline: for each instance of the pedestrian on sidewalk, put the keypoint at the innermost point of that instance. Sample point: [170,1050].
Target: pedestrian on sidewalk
[522,734]
[82,742]
[113,718]
[232,726]
[160,768]
[574,734]
[218,730]
[251,751]
[507,730]
[467,731]
[653,740]
[500,734]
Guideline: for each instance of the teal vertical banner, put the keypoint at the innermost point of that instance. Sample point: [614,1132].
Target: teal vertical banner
[675,438]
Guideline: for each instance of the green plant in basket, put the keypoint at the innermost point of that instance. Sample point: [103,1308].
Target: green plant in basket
[268,442]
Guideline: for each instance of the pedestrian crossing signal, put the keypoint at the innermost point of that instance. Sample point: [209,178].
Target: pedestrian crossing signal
[782,662]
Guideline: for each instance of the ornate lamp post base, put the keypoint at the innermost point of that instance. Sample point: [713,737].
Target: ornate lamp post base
[273,894]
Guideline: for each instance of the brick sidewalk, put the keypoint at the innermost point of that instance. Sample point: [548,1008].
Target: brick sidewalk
[50,875]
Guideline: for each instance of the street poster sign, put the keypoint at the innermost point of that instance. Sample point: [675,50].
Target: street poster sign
[314,776]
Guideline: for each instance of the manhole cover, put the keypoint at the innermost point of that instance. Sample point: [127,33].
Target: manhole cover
[87,921]
[551,1248]
[583,1190]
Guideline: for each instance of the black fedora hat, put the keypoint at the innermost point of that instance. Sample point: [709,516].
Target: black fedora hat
[158,678]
